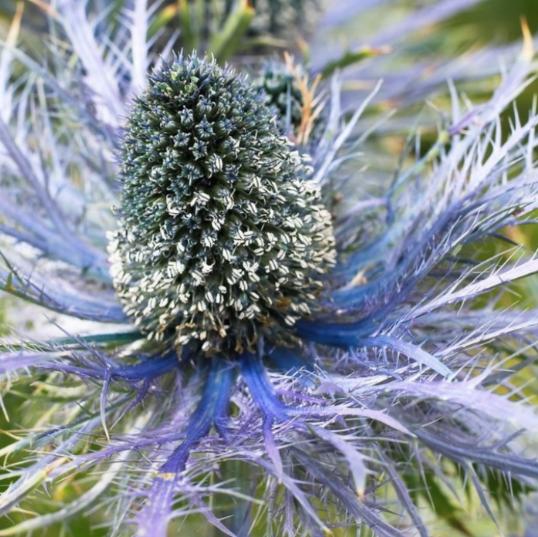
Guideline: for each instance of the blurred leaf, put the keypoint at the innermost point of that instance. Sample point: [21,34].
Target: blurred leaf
[443,507]
[350,57]
[227,42]
[190,37]
[440,503]
[162,18]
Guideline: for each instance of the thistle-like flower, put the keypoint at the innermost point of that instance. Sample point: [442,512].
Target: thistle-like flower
[223,239]
[306,335]
[285,89]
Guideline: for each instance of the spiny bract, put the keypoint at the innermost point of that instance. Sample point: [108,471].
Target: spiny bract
[222,238]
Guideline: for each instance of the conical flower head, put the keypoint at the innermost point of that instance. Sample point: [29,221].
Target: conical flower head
[222,237]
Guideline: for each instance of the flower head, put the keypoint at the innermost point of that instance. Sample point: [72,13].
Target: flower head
[284,88]
[222,237]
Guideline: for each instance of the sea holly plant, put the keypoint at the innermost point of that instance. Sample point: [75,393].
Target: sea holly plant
[273,338]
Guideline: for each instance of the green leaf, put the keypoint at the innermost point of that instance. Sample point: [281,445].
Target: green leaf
[227,42]
[190,36]
[9,281]
[162,19]
[443,507]
[425,484]
[350,57]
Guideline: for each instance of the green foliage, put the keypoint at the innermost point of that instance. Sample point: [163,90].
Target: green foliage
[225,27]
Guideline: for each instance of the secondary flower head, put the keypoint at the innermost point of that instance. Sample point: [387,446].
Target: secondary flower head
[282,92]
[223,239]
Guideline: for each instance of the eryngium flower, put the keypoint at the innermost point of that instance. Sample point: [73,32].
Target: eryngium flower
[402,398]
[222,238]
[280,91]
[285,89]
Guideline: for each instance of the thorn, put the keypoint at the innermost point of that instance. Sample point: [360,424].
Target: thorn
[15,25]
[102,409]
[527,51]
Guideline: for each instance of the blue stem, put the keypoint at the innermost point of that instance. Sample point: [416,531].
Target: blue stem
[213,406]
[153,519]
[142,371]
[335,334]
[260,389]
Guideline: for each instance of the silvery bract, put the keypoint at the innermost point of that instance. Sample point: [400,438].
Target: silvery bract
[306,335]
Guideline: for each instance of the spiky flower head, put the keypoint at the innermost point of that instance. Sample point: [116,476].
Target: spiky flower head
[281,91]
[222,236]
